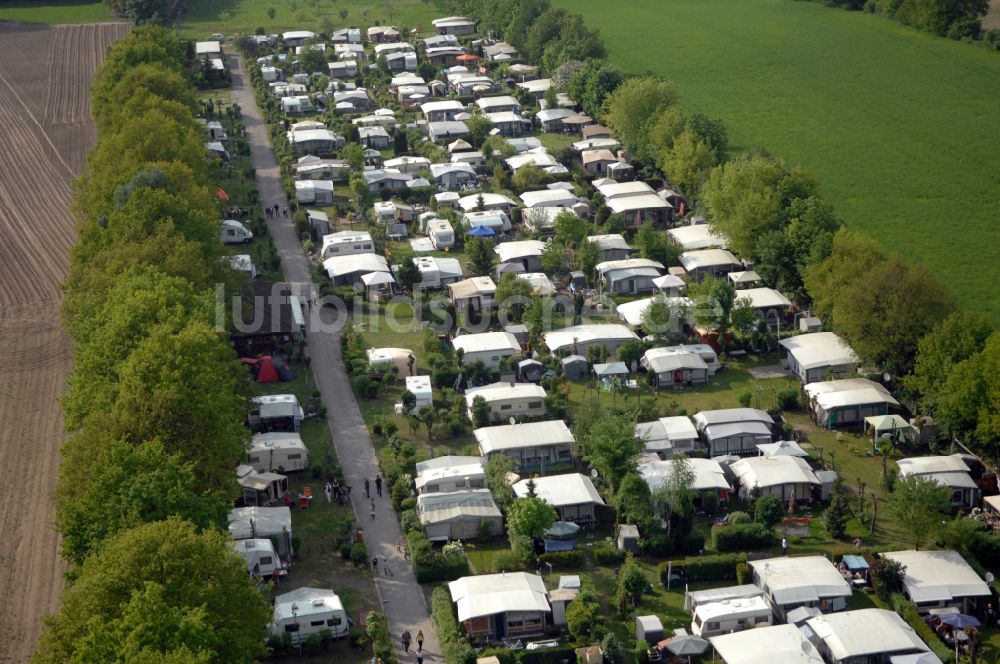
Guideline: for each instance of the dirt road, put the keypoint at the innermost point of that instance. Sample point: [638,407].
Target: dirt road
[46,131]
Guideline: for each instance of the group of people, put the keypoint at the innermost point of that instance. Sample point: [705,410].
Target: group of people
[334,489]
[234,212]
[273,212]
[407,639]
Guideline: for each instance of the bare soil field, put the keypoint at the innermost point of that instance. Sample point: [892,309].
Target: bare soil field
[46,131]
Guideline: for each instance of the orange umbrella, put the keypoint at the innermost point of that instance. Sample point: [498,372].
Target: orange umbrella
[467,57]
[221,194]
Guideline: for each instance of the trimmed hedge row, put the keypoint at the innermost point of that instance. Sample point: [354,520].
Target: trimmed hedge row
[455,648]
[908,611]
[442,572]
[742,537]
[572,558]
[705,568]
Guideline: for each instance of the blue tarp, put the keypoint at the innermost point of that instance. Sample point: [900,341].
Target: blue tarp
[481,231]
[559,545]
[855,562]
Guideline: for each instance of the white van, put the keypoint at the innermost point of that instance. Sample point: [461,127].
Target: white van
[714,618]
[233,232]
[262,560]
[307,611]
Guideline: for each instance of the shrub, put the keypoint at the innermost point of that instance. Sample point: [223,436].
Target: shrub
[605,555]
[505,655]
[378,632]
[742,538]
[420,547]
[507,560]
[572,558]
[924,631]
[788,399]
[564,653]
[582,614]
[745,399]
[742,573]
[713,568]
[359,553]
[737,518]
[409,521]
[768,511]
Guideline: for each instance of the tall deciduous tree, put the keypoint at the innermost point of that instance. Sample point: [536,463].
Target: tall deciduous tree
[530,516]
[130,485]
[499,469]
[196,577]
[956,338]
[186,388]
[688,161]
[480,255]
[631,109]
[919,504]
[514,296]
[610,446]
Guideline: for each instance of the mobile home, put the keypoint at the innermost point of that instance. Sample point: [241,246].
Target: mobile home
[278,451]
[308,611]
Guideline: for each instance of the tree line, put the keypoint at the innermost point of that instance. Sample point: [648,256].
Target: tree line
[156,400]
[891,310]
[954,19]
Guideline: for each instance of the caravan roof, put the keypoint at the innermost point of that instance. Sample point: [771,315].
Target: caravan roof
[561,490]
[305,602]
[528,434]
[277,440]
[938,576]
[489,594]
[800,580]
[250,522]
[819,349]
[279,405]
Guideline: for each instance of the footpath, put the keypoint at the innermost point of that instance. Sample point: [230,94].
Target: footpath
[402,598]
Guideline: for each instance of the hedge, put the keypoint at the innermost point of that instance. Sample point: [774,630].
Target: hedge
[564,653]
[908,611]
[705,568]
[742,538]
[441,572]
[455,648]
[604,555]
[572,558]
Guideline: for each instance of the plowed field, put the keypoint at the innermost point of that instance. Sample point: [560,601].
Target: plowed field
[46,131]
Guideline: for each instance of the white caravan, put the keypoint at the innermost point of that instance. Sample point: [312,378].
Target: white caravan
[278,451]
[729,615]
[262,560]
[307,611]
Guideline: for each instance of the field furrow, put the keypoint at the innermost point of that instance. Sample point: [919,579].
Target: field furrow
[46,130]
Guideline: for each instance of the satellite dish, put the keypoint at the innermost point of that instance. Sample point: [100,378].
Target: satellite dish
[593,473]
[989,578]
[512,420]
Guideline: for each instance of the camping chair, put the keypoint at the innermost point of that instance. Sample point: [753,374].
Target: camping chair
[307,492]
[304,502]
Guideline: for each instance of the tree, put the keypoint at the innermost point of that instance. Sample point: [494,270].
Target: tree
[688,161]
[313,60]
[583,615]
[354,155]
[271,12]
[141,87]
[587,256]
[743,317]
[186,388]
[530,517]
[409,401]
[554,257]
[653,244]
[480,255]
[630,353]
[591,85]
[428,415]
[888,575]
[632,501]
[882,304]
[481,414]
[956,338]
[713,132]
[610,446]
[768,510]
[408,275]
[676,492]
[570,229]
[633,106]
[499,469]
[514,295]
[970,399]
[918,504]
[663,316]
[130,485]
[529,178]
[213,603]
[612,649]
[479,128]
[631,581]
[743,201]
[837,515]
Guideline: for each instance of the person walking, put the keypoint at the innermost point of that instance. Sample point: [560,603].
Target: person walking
[406,640]
[420,657]
[784,546]
[374,565]
[367,494]
[420,641]
[378,485]
[328,491]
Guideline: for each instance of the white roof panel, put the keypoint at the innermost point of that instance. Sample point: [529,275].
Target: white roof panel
[562,490]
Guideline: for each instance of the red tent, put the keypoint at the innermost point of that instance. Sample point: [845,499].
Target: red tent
[221,194]
[266,372]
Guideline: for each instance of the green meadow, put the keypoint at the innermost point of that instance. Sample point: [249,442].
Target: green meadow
[902,129]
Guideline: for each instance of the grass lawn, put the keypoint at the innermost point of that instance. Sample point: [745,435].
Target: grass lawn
[206,17]
[901,128]
[55,11]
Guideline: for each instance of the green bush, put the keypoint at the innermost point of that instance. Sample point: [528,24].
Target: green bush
[505,655]
[704,568]
[768,511]
[924,631]
[606,555]
[441,571]
[359,553]
[409,521]
[742,573]
[572,558]
[453,644]
[737,518]
[507,560]
[564,653]
[742,537]
[788,399]
[420,547]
